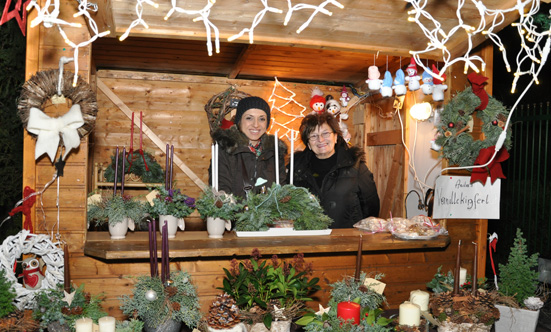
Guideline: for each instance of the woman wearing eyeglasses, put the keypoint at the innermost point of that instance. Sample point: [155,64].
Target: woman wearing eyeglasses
[335,173]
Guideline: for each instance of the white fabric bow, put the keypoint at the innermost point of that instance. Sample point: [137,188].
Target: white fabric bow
[48,130]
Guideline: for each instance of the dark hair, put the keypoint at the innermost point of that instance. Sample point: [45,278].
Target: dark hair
[311,121]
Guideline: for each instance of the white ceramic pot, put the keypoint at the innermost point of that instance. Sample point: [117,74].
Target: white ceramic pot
[119,230]
[216,227]
[237,328]
[463,327]
[173,224]
[515,320]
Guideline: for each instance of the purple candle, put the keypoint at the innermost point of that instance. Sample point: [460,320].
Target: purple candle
[155,266]
[171,164]
[122,174]
[164,252]
[116,171]
[457,269]
[150,229]
[166,170]
[475,270]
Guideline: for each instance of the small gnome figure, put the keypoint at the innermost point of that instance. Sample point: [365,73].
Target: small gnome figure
[344,97]
[373,81]
[412,78]
[438,88]
[332,106]
[32,272]
[317,103]
[427,85]
[400,83]
[386,87]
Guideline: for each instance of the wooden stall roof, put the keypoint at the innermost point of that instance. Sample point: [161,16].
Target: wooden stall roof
[337,48]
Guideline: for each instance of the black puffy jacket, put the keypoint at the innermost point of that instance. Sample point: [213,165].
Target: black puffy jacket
[234,152]
[348,192]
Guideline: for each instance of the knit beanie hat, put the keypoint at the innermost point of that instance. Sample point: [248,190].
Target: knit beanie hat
[247,103]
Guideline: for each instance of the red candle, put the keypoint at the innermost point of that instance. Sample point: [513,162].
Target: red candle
[349,310]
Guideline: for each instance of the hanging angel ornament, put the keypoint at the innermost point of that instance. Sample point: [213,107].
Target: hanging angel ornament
[412,78]
[438,88]
[386,87]
[400,83]
[427,85]
[373,81]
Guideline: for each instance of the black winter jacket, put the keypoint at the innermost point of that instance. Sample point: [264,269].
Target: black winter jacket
[234,152]
[348,192]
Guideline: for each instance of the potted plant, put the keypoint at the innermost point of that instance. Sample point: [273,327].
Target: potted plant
[219,209]
[119,212]
[57,311]
[270,291]
[518,284]
[163,307]
[170,206]
[358,291]
[295,205]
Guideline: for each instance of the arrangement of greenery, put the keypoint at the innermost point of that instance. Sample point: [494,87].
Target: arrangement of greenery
[132,325]
[114,209]
[518,279]
[52,307]
[171,203]
[217,204]
[7,295]
[371,320]
[153,174]
[444,282]
[465,308]
[267,290]
[176,300]
[282,203]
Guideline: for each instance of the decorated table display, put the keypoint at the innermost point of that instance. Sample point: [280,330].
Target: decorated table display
[354,306]
[119,212]
[288,206]
[219,209]
[417,228]
[170,206]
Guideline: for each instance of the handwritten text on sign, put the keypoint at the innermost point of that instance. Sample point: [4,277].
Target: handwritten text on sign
[456,197]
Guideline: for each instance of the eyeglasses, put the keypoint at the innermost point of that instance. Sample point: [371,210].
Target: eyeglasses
[315,137]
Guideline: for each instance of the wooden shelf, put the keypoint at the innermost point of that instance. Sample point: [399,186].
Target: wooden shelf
[198,244]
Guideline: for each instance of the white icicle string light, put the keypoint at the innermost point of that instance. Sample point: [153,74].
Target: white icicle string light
[259,16]
[49,19]
[317,9]
[203,16]
[139,20]
[489,20]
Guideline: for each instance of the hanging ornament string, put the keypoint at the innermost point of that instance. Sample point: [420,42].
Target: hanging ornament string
[130,156]
[492,247]
[141,141]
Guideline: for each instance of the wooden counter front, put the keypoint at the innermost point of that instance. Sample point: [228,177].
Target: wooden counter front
[198,244]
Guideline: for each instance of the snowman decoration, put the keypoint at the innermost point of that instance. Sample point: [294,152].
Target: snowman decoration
[317,102]
[32,272]
[373,81]
[399,83]
[438,88]
[333,107]
[427,85]
[386,87]
[345,98]
[412,78]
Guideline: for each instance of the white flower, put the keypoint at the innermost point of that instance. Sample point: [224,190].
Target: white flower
[533,303]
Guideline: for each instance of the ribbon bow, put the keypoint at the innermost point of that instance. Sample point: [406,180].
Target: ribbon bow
[477,82]
[48,130]
[494,168]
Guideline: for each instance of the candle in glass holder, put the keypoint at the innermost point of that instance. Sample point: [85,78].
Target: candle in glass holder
[409,314]
[106,324]
[83,325]
[349,310]
[420,298]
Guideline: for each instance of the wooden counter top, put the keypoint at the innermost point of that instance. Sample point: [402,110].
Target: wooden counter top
[198,244]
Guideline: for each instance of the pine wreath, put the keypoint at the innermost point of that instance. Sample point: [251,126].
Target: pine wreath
[43,86]
[155,174]
[458,146]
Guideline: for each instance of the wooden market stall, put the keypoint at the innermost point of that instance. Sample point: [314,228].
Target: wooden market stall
[170,81]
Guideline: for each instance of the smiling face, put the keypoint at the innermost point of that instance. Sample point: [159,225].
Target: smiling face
[322,141]
[253,124]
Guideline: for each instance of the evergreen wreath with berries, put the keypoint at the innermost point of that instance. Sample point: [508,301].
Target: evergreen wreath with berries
[458,145]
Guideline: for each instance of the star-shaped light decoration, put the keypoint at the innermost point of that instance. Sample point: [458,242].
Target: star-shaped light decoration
[15,13]
[69,297]
[322,310]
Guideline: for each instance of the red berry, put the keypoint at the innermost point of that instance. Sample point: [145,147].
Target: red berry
[451,125]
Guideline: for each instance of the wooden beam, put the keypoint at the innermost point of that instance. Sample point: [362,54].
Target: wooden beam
[389,198]
[104,17]
[390,137]
[240,61]
[148,132]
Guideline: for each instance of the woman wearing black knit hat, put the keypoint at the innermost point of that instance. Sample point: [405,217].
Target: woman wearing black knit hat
[246,160]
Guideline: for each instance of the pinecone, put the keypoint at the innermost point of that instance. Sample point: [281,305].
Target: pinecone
[223,312]
[219,204]
[285,199]
[171,291]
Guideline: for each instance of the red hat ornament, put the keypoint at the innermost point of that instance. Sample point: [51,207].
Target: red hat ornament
[317,102]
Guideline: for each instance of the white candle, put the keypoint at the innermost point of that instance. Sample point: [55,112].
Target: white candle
[107,324]
[216,166]
[276,158]
[212,165]
[420,298]
[292,156]
[462,276]
[83,325]
[410,314]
